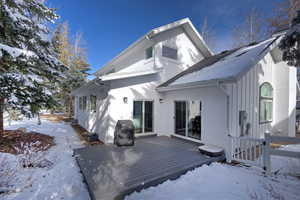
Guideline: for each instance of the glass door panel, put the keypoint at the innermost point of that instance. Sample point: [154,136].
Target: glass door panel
[180,118]
[194,119]
[148,116]
[138,116]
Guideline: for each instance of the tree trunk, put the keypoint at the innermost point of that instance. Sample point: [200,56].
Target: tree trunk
[39,119]
[1,115]
[71,107]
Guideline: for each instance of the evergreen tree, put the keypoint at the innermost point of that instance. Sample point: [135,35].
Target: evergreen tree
[28,65]
[290,43]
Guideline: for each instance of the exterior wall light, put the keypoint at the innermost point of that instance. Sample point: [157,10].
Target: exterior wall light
[161,100]
[125,99]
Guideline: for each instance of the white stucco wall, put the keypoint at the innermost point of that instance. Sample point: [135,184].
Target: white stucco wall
[110,105]
[99,121]
[214,129]
[188,54]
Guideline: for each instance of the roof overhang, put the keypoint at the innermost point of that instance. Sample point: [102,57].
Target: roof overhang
[85,87]
[198,84]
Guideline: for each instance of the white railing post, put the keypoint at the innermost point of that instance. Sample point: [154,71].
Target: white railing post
[266,153]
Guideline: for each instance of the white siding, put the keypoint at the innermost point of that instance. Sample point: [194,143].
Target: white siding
[244,95]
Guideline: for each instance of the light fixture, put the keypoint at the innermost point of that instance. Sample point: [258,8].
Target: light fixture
[161,100]
[125,99]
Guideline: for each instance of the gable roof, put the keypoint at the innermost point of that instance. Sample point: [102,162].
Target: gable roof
[185,23]
[226,66]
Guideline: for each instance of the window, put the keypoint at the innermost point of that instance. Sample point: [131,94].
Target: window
[80,103]
[266,103]
[149,52]
[93,103]
[143,116]
[84,102]
[169,52]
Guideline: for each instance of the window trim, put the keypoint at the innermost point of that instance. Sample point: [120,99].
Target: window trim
[269,99]
[143,112]
[80,103]
[93,109]
[188,111]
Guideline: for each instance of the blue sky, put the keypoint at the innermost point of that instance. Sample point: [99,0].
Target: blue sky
[110,26]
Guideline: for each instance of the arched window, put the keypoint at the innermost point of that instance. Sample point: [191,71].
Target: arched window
[266,103]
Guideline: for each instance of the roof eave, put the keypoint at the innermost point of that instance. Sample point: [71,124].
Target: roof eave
[197,84]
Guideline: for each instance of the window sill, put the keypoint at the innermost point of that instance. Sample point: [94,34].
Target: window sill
[266,122]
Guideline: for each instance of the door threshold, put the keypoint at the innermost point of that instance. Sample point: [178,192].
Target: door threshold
[140,135]
[187,138]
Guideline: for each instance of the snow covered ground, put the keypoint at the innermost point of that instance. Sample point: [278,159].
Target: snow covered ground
[62,180]
[216,181]
[222,181]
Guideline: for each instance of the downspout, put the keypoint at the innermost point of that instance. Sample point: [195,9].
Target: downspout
[220,86]
[228,147]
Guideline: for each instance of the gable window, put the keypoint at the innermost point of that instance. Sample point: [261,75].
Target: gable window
[266,103]
[169,52]
[93,103]
[149,52]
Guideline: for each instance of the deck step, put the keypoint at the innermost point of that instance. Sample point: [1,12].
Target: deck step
[211,150]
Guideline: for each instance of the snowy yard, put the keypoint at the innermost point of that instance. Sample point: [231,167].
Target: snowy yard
[222,181]
[217,181]
[62,180]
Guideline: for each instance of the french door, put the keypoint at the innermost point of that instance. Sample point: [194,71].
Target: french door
[188,119]
[143,116]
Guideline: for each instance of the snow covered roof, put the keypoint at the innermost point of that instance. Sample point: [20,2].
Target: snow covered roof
[227,65]
[132,71]
[185,23]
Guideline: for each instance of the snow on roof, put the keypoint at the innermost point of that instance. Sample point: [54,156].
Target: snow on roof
[226,67]
[132,71]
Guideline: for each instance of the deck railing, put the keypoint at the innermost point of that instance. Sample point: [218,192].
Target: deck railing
[257,152]
[247,150]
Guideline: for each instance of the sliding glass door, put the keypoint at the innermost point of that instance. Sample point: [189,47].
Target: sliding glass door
[180,117]
[143,116]
[188,119]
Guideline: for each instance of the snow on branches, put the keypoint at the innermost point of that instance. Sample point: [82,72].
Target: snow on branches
[28,65]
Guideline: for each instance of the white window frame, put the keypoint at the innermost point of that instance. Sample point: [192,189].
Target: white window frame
[268,99]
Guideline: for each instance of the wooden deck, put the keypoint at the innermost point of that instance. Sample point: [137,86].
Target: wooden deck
[113,172]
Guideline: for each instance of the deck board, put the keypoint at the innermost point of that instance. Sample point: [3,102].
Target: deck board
[113,172]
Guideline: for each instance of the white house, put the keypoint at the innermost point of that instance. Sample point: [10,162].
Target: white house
[170,83]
